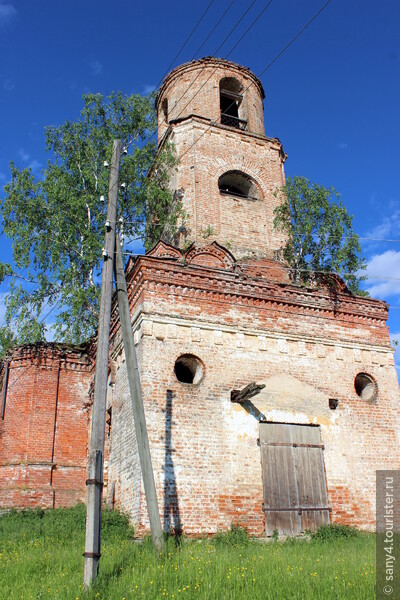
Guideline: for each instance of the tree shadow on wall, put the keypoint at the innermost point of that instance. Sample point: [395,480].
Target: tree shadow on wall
[172,519]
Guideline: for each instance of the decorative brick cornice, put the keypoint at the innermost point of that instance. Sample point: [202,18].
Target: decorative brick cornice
[46,354]
[207,124]
[222,285]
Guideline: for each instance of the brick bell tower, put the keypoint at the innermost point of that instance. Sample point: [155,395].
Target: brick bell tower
[216,312]
[228,171]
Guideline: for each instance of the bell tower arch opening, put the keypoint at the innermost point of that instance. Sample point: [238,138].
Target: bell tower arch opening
[231,103]
[239,184]
[227,170]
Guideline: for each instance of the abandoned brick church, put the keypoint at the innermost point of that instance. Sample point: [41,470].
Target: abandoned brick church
[212,312]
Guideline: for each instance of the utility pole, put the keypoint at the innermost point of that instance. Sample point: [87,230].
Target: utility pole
[136,400]
[96,453]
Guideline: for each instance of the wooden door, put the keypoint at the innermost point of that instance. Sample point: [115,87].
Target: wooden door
[293,472]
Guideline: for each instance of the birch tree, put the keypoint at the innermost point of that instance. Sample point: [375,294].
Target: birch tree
[321,241]
[56,221]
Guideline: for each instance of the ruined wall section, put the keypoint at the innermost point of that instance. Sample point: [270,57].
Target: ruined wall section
[44,434]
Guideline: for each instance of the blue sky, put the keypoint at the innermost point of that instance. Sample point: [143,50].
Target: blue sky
[332,98]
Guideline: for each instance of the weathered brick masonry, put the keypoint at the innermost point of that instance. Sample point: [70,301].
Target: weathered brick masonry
[214,309]
[44,433]
[235,316]
[306,346]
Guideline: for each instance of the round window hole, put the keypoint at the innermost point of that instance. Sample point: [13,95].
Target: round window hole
[189,369]
[366,387]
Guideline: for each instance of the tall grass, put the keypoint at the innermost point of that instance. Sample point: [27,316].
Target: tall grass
[41,557]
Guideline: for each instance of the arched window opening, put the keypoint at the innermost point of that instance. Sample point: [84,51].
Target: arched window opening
[164,108]
[366,387]
[230,98]
[236,183]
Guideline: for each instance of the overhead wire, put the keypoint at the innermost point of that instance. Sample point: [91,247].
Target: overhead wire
[214,53]
[154,131]
[212,30]
[263,71]
[217,49]
[370,276]
[185,42]
[295,37]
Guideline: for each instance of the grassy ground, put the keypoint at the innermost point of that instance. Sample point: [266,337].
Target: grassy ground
[41,557]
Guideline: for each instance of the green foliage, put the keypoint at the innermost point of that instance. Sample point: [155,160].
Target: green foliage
[320,234]
[5,270]
[236,536]
[7,341]
[207,232]
[56,221]
[334,531]
[275,535]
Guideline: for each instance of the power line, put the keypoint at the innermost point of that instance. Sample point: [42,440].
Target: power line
[198,75]
[295,37]
[378,239]
[226,56]
[250,27]
[263,71]
[185,42]
[212,30]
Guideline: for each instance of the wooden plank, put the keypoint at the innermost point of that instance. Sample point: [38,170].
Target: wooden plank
[319,481]
[268,475]
[302,476]
[314,475]
[295,520]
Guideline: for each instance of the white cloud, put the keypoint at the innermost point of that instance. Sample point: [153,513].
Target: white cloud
[383,272]
[96,66]
[7,12]
[2,176]
[388,228]
[24,155]
[342,145]
[26,158]
[148,89]
[34,165]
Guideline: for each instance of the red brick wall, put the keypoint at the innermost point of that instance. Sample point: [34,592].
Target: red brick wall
[249,323]
[193,89]
[44,434]
[242,316]
[206,149]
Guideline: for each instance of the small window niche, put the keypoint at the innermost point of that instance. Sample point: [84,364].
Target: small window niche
[164,109]
[231,99]
[366,388]
[236,183]
[189,369]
